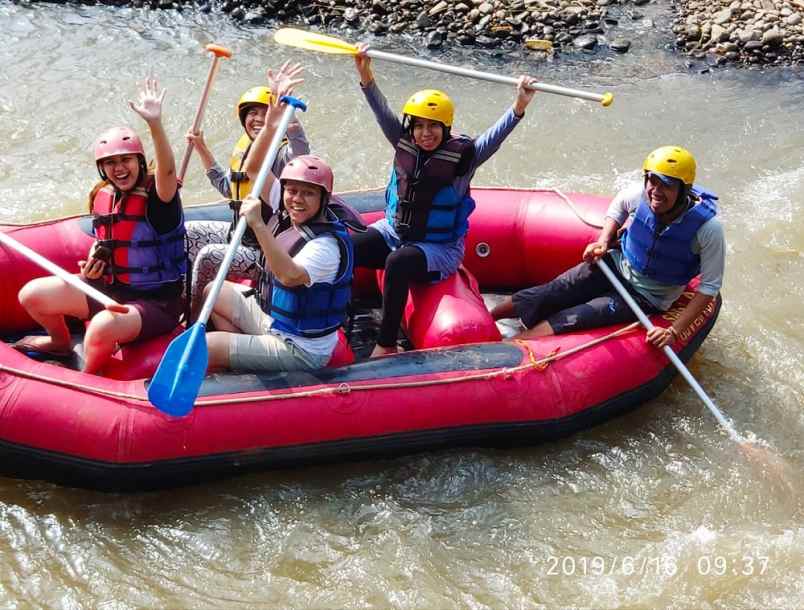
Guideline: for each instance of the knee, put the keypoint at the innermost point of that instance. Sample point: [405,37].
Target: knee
[106,330]
[206,260]
[218,350]
[102,330]
[400,263]
[33,296]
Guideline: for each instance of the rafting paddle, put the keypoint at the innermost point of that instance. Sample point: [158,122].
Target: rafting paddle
[175,385]
[328,44]
[65,275]
[770,463]
[671,355]
[217,53]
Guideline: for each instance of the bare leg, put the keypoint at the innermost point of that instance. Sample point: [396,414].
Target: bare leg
[48,300]
[105,332]
[503,310]
[542,329]
[223,311]
[218,350]
[381,350]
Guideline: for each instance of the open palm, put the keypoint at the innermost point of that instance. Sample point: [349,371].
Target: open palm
[285,79]
[149,106]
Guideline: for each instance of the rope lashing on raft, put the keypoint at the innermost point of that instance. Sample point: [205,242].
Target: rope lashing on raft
[534,363]
[574,208]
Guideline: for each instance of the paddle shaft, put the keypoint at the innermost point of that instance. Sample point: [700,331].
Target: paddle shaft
[671,355]
[494,78]
[259,183]
[199,111]
[57,271]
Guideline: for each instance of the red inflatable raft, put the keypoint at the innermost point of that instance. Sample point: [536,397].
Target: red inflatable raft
[101,432]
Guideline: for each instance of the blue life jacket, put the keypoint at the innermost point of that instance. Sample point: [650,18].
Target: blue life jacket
[664,252]
[142,258]
[421,201]
[320,309]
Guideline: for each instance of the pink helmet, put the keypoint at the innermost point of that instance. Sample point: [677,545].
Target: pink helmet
[310,169]
[118,141]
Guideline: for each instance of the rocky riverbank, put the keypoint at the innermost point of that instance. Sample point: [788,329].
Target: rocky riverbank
[743,32]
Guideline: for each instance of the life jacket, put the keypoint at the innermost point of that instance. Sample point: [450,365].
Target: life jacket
[421,201]
[664,252]
[320,309]
[142,258]
[241,187]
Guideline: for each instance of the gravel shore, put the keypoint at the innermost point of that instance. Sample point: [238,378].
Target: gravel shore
[741,32]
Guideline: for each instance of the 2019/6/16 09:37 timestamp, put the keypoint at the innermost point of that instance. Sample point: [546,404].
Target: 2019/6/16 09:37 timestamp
[660,565]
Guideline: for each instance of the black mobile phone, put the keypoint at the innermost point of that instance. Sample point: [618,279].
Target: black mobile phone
[102,253]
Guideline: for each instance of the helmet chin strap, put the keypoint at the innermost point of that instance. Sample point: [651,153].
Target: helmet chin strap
[682,201]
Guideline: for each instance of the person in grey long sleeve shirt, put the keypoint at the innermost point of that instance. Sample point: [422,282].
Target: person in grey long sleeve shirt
[428,200]
[207,240]
[671,233]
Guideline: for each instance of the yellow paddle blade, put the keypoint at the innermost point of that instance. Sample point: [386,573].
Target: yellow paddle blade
[313,42]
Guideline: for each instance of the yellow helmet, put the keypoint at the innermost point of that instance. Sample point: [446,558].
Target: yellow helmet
[672,161]
[430,104]
[261,96]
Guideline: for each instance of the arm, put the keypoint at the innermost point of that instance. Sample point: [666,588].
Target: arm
[200,146]
[150,109]
[297,140]
[283,84]
[600,246]
[297,145]
[617,213]
[659,337]
[278,261]
[260,148]
[219,179]
[490,140]
[387,120]
[712,243]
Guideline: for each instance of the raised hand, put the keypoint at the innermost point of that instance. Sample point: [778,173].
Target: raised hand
[149,106]
[524,94]
[285,79]
[363,64]
[196,139]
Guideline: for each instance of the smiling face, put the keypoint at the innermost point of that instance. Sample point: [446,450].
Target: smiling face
[254,120]
[427,134]
[302,200]
[123,171]
[661,197]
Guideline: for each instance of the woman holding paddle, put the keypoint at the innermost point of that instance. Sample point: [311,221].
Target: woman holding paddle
[138,255]
[207,240]
[421,238]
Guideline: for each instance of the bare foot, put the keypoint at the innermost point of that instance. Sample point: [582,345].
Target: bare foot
[42,344]
[380,350]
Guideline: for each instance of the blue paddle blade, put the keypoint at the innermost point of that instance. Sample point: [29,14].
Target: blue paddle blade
[175,385]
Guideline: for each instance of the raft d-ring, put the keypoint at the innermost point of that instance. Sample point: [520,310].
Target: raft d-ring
[482,249]
[343,388]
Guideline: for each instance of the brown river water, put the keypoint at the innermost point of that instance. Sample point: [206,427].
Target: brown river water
[654,510]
